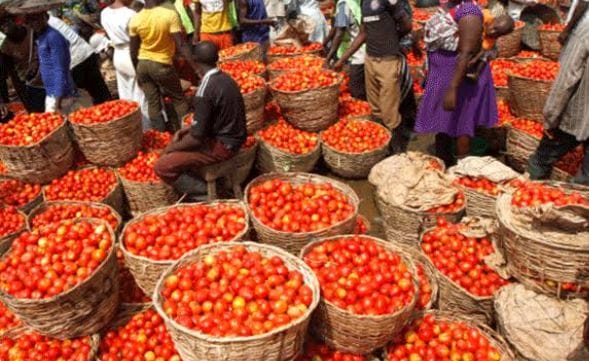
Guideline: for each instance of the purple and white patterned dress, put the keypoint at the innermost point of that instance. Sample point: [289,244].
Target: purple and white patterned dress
[476,104]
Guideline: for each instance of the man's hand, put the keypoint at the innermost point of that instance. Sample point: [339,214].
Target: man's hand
[450,100]
[180,134]
[3,110]
[563,37]
[338,66]
[271,22]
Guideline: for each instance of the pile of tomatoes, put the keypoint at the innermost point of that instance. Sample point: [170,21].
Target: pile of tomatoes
[238,68]
[155,140]
[462,258]
[350,107]
[421,15]
[140,169]
[571,162]
[7,319]
[413,60]
[360,276]
[453,207]
[29,129]
[50,260]
[304,80]
[16,193]
[294,50]
[55,213]
[537,70]
[479,184]
[305,207]
[237,50]
[425,287]
[144,337]
[532,194]
[315,351]
[305,62]
[361,226]
[3,169]
[356,136]
[504,113]
[499,69]
[552,27]
[531,127]
[250,141]
[287,138]
[236,293]
[249,83]
[167,236]
[88,184]
[32,346]
[103,113]
[11,221]
[430,338]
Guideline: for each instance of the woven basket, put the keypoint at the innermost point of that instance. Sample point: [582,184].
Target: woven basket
[283,343]
[272,159]
[502,92]
[359,334]
[454,298]
[520,147]
[294,242]
[430,272]
[403,226]
[143,196]
[274,73]
[510,45]
[6,240]
[254,109]
[354,165]
[253,54]
[549,45]
[147,271]
[113,143]
[560,175]
[43,206]
[535,260]
[43,161]
[82,310]
[311,110]
[527,97]
[479,204]
[244,161]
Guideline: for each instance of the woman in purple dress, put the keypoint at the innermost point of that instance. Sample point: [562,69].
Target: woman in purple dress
[453,104]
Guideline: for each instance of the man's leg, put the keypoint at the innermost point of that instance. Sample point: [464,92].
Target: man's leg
[167,78]
[87,76]
[357,81]
[152,94]
[372,87]
[389,71]
[549,152]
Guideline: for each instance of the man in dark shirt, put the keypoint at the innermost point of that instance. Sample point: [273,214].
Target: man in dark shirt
[384,23]
[218,125]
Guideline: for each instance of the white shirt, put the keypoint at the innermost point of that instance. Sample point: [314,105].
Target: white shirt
[116,24]
[80,50]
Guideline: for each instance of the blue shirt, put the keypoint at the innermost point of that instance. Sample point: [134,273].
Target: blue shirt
[256,10]
[54,63]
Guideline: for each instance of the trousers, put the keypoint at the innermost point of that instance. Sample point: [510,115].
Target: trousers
[383,88]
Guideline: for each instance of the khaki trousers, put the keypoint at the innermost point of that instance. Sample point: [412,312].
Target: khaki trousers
[383,88]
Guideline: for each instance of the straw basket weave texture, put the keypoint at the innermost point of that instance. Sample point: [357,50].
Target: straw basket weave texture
[112,143]
[43,161]
[429,271]
[403,226]
[544,263]
[312,110]
[454,298]
[520,146]
[294,242]
[82,310]
[244,161]
[502,92]
[253,54]
[254,109]
[549,45]
[283,343]
[528,96]
[6,240]
[355,333]
[45,206]
[510,45]
[479,204]
[147,271]
[143,196]
[560,175]
[272,159]
[354,165]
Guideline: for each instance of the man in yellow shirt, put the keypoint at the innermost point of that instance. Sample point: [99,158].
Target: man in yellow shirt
[155,33]
[212,22]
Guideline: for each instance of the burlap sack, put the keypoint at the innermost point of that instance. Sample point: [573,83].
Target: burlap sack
[541,328]
[568,224]
[393,165]
[295,32]
[484,167]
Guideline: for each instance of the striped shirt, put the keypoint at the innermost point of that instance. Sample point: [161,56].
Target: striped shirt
[567,107]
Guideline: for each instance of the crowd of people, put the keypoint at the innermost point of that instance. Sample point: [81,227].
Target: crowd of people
[155,41]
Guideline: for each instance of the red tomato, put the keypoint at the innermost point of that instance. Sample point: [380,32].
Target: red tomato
[103,113]
[32,346]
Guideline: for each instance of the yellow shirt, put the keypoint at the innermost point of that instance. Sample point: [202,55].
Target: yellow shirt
[215,16]
[155,27]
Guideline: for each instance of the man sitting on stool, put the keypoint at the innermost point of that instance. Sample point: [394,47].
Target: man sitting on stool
[218,126]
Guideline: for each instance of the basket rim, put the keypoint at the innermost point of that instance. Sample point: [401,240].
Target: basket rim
[162,210]
[251,246]
[336,85]
[264,143]
[520,132]
[64,123]
[546,30]
[405,257]
[136,110]
[263,88]
[111,254]
[44,205]
[352,196]
[370,152]
[110,193]
[236,56]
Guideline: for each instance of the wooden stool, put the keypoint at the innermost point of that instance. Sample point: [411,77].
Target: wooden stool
[224,170]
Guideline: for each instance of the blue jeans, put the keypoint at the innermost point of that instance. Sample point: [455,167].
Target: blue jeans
[551,150]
